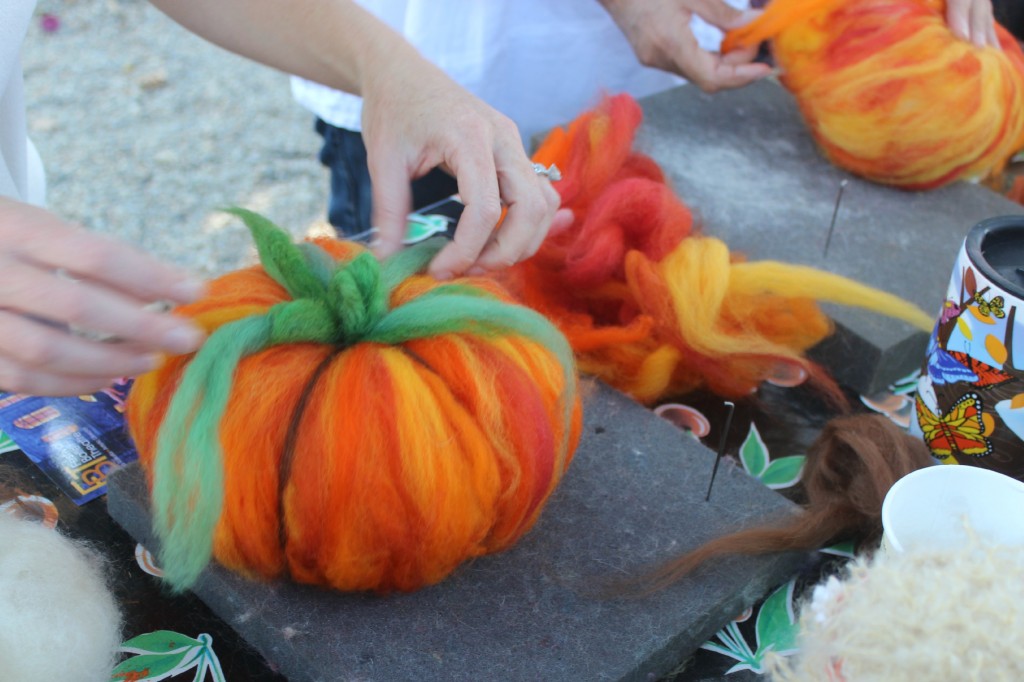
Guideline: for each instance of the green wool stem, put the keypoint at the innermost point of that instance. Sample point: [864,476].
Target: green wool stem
[356,294]
[334,303]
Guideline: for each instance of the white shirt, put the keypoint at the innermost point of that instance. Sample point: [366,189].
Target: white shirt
[539,62]
[21,171]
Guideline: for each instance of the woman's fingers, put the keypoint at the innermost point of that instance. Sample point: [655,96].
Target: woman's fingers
[59,277]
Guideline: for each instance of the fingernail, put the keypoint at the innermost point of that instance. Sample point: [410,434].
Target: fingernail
[183,339]
[443,275]
[188,290]
[476,271]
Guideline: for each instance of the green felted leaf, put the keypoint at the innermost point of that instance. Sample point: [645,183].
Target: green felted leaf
[150,667]
[299,321]
[320,262]
[281,258]
[783,472]
[400,266]
[753,453]
[188,481]
[776,625]
[159,642]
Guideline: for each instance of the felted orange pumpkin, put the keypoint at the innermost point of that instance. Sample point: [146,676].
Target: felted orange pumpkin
[353,424]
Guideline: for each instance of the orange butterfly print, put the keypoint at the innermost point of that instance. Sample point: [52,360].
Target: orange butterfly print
[988,375]
[959,431]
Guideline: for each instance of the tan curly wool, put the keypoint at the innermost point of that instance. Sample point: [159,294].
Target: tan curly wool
[924,616]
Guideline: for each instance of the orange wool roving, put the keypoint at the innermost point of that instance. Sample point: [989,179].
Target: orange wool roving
[654,309]
[891,94]
[353,424]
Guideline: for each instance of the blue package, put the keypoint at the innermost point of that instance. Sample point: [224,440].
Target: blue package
[76,441]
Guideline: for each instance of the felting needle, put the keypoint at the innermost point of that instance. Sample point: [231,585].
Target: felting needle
[721,445]
[835,213]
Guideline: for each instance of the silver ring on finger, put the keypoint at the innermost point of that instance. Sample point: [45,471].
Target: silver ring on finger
[551,172]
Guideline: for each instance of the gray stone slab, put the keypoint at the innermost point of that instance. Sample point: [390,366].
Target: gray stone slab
[633,496]
[745,162]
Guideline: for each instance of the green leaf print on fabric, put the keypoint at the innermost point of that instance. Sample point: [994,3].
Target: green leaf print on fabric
[780,473]
[775,630]
[164,654]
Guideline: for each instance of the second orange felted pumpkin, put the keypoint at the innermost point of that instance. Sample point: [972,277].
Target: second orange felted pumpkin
[891,94]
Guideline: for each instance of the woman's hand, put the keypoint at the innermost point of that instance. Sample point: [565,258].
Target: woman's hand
[414,119]
[660,33]
[57,276]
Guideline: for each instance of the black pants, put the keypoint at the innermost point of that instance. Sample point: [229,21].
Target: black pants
[350,209]
[1010,13]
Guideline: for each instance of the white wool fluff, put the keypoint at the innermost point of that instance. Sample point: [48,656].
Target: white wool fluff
[954,615]
[58,620]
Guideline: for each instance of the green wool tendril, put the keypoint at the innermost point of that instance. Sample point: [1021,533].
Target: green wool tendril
[333,303]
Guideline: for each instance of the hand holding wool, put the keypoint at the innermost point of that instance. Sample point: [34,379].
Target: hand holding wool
[869,75]
[107,287]
[661,36]
[416,118]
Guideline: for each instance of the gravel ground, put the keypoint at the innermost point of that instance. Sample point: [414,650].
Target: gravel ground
[146,130]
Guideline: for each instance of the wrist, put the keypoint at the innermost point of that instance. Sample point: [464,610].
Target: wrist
[378,54]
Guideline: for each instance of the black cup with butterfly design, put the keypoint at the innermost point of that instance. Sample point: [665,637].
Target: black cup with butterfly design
[970,399]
